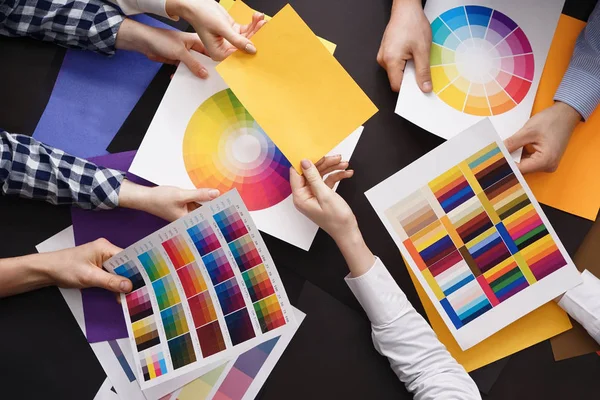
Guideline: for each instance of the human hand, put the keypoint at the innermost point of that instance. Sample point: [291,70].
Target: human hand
[81,267]
[218,31]
[166,202]
[162,45]
[316,199]
[407,36]
[544,138]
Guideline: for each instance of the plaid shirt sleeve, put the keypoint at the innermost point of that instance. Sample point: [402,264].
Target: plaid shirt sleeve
[82,24]
[33,170]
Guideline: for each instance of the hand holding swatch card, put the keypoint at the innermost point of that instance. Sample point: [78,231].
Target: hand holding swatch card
[487,57]
[296,90]
[202,136]
[474,235]
[204,289]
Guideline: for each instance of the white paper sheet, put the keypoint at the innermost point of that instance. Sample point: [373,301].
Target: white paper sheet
[160,156]
[105,392]
[386,196]
[537,18]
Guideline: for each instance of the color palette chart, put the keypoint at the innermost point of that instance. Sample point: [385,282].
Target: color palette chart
[474,235]
[481,61]
[224,148]
[205,290]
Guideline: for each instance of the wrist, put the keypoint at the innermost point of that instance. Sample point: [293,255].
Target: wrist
[135,196]
[131,37]
[568,112]
[182,8]
[23,274]
[400,4]
[349,238]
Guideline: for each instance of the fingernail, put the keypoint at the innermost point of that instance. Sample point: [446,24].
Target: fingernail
[203,72]
[213,193]
[123,286]
[427,86]
[250,49]
[305,164]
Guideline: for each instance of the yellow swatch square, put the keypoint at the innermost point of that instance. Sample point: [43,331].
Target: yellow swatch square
[296,90]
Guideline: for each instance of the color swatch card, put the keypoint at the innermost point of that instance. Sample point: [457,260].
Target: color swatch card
[487,58]
[474,235]
[296,90]
[202,136]
[205,289]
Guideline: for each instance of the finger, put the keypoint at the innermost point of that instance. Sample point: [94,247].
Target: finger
[197,45]
[328,161]
[296,180]
[332,179]
[238,40]
[422,69]
[531,164]
[160,59]
[200,195]
[338,167]
[314,179]
[518,140]
[97,277]
[194,65]
[395,71]
[106,248]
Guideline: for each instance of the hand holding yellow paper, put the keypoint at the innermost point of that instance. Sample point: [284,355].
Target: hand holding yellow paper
[295,89]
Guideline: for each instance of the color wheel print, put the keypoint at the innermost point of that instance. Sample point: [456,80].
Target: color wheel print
[481,61]
[224,148]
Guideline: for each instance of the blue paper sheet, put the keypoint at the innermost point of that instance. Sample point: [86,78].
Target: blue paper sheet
[92,97]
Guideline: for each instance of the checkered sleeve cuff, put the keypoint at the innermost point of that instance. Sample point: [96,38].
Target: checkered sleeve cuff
[89,24]
[33,170]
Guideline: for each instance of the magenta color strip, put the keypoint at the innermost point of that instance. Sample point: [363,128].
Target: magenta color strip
[548,265]
[445,263]
[487,290]
[491,255]
[515,290]
[527,226]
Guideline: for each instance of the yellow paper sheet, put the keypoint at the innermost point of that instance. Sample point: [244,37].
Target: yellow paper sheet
[537,326]
[296,90]
[575,186]
[242,14]
[226,4]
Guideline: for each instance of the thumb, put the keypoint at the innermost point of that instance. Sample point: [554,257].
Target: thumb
[194,65]
[422,69]
[239,41]
[99,278]
[530,164]
[296,181]
[518,140]
[314,179]
[200,195]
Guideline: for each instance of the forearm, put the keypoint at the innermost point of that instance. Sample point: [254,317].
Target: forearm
[23,274]
[89,24]
[33,170]
[398,4]
[135,196]
[355,251]
[131,7]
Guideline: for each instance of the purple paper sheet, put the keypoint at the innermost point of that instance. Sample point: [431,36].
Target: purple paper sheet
[104,318]
[92,97]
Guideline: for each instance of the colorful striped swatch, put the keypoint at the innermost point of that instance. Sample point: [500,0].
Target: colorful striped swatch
[258,283]
[130,271]
[174,321]
[239,326]
[211,339]
[138,304]
[145,333]
[269,313]
[230,296]
[475,236]
[153,363]
[202,309]
[218,266]
[178,251]
[204,238]
[191,279]
[116,349]
[154,264]
[245,253]
[182,351]
[166,292]
[230,223]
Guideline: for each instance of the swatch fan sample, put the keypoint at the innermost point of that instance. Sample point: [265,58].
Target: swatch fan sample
[202,136]
[205,289]
[487,58]
[474,235]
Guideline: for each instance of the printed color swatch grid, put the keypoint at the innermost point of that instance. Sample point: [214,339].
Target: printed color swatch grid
[178,251]
[154,264]
[153,363]
[204,238]
[138,303]
[230,223]
[130,271]
[245,253]
[475,236]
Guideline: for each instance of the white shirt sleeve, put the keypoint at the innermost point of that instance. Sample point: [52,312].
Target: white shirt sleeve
[131,7]
[415,354]
[583,304]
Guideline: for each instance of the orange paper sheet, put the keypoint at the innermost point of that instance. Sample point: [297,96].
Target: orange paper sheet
[242,14]
[575,186]
[296,90]
[537,326]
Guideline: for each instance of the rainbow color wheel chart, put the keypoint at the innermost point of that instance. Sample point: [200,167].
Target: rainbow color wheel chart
[482,62]
[224,148]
